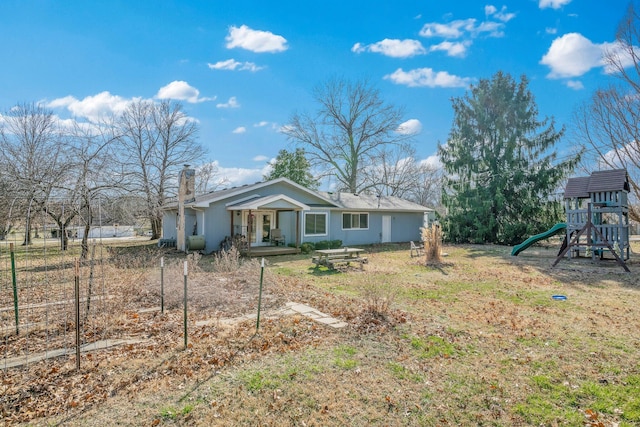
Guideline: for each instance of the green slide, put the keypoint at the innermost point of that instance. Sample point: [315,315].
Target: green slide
[531,240]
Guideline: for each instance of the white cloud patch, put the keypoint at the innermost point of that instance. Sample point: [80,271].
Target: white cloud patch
[454,49]
[93,108]
[501,15]
[573,55]
[239,129]
[452,30]
[260,158]
[575,84]
[553,4]
[410,127]
[392,47]
[234,177]
[255,40]
[233,65]
[458,34]
[427,77]
[432,161]
[265,124]
[286,128]
[550,30]
[231,103]
[181,91]
[490,9]
[463,28]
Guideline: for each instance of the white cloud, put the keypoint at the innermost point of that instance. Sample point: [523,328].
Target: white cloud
[432,161]
[426,77]
[501,15]
[550,30]
[466,28]
[255,40]
[455,49]
[286,129]
[575,84]
[234,177]
[265,124]
[572,55]
[452,30]
[553,4]
[621,53]
[181,91]
[260,158]
[392,47]
[93,108]
[231,103]
[232,65]
[240,129]
[410,127]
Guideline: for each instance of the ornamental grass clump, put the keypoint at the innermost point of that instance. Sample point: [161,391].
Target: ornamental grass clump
[432,239]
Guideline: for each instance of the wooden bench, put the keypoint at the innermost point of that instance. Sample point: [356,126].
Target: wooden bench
[332,261]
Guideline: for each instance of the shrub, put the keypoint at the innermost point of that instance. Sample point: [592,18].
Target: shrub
[328,244]
[227,261]
[307,248]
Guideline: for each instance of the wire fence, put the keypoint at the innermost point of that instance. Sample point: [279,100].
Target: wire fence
[103,295]
[39,268]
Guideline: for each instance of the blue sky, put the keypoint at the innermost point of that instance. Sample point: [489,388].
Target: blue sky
[242,68]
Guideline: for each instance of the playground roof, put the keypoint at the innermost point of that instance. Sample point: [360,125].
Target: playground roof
[607,180]
[577,187]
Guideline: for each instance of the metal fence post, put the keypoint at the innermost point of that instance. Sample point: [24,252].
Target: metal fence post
[15,287]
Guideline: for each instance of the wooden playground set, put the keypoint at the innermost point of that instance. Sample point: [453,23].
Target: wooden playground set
[597,211]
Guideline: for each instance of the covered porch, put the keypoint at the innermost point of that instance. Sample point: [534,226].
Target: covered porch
[267,225]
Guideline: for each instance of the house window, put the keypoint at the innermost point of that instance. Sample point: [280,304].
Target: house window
[315,224]
[355,221]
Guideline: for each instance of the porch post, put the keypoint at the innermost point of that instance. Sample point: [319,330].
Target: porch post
[298,213]
[249,225]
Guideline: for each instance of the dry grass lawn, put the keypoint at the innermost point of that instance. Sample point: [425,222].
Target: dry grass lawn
[474,340]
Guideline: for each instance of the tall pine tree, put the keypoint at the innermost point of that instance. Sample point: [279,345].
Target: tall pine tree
[293,165]
[501,165]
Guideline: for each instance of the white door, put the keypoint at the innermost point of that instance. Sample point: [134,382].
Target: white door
[261,225]
[386,228]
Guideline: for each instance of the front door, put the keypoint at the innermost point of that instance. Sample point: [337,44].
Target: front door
[260,227]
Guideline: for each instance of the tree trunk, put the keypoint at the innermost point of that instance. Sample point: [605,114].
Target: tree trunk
[156,227]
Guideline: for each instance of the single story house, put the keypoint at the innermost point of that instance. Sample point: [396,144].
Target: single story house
[283,212]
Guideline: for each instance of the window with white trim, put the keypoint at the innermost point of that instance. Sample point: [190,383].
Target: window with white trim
[355,220]
[315,224]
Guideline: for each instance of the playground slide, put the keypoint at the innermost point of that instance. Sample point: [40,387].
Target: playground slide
[531,240]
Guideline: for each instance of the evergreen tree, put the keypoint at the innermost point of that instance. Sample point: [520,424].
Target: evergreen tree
[501,166]
[293,165]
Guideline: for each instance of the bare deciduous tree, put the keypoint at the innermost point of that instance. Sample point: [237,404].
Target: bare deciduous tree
[208,178]
[428,191]
[393,171]
[610,122]
[350,129]
[32,156]
[157,139]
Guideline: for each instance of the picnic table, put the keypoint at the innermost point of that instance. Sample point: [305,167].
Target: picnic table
[332,257]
